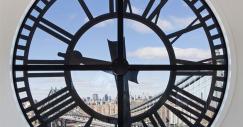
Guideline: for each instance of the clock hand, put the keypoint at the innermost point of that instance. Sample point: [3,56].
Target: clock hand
[76,58]
[113,47]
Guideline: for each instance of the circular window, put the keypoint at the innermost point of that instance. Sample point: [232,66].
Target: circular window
[120,62]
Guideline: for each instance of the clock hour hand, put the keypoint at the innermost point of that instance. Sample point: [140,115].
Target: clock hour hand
[76,58]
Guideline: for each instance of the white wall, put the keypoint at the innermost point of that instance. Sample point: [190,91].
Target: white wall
[229,11]
[10,13]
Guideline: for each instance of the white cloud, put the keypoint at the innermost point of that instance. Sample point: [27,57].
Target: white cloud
[170,24]
[136,10]
[141,28]
[102,24]
[181,21]
[165,25]
[151,53]
[73,17]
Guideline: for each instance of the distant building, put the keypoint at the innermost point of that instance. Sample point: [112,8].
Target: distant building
[150,97]
[88,99]
[95,97]
[106,98]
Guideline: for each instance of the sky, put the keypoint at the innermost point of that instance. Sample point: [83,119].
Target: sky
[143,46]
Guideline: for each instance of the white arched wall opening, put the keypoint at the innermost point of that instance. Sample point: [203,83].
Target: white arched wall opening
[228,12]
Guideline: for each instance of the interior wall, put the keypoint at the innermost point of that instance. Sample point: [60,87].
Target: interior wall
[231,16]
[229,13]
[11,12]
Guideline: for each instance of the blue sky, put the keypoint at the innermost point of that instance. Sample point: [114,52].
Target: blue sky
[143,46]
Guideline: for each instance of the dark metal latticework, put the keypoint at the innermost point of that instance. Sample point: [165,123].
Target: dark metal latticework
[66,99]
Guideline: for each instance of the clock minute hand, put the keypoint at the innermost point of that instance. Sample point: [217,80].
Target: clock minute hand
[113,47]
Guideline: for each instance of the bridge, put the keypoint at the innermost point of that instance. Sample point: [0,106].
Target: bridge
[81,118]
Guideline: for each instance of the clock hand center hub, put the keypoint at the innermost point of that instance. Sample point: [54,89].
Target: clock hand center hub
[120,67]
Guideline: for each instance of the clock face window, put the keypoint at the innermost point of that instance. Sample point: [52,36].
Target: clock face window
[120,63]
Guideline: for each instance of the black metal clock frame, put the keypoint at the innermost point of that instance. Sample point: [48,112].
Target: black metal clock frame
[67,98]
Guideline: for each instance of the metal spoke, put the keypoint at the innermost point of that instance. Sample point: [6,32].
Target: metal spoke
[110,67]
[124,115]
[189,28]
[62,67]
[120,25]
[122,82]
[175,67]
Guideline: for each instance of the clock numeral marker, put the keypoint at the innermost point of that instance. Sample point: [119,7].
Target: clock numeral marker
[55,31]
[48,62]
[111,6]
[86,9]
[43,75]
[202,8]
[55,105]
[27,27]
[220,78]
[213,109]
[216,99]
[144,124]
[45,1]
[151,118]
[34,118]
[20,79]
[21,47]
[33,18]
[89,122]
[155,119]
[188,62]
[38,9]
[176,35]
[20,90]
[219,57]
[211,27]
[127,5]
[28,109]
[191,82]
[52,97]
[156,12]
[158,118]
[194,73]
[20,57]
[217,36]
[193,1]
[219,89]
[207,17]
[23,100]
[192,106]
[219,46]
[24,37]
